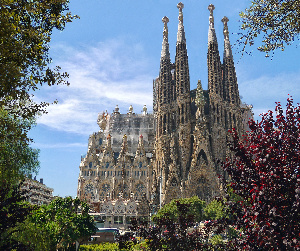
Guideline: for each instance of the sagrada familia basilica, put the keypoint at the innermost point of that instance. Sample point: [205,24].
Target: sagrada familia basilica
[138,162]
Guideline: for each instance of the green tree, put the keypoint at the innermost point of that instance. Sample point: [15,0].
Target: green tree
[17,158]
[274,22]
[170,210]
[214,210]
[25,33]
[57,225]
[13,210]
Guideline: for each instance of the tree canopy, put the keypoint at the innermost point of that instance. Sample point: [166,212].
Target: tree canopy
[170,210]
[57,225]
[265,175]
[25,33]
[214,210]
[13,210]
[17,158]
[274,22]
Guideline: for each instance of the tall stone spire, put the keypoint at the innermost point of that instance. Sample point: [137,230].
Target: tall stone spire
[164,84]
[213,58]
[180,32]
[231,91]
[181,59]
[183,99]
[227,47]
[165,54]
[211,32]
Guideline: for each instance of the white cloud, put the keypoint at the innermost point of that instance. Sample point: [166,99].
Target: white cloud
[101,77]
[265,90]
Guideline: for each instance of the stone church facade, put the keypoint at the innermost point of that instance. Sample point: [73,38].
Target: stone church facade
[146,160]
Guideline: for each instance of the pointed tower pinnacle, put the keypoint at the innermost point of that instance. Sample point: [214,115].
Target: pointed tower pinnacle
[107,153]
[227,47]
[231,91]
[165,54]
[211,33]
[213,58]
[140,151]
[124,150]
[180,33]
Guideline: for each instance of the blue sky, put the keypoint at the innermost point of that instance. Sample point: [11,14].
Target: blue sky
[112,54]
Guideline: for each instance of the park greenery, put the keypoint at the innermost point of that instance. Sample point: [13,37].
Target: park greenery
[25,34]
[272,24]
[17,158]
[56,226]
[13,210]
[260,207]
[170,210]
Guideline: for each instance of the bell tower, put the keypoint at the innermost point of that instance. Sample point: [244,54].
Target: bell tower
[182,79]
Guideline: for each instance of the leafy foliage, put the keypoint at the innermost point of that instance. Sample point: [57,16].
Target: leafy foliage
[25,33]
[31,235]
[59,223]
[170,210]
[214,210]
[13,210]
[17,158]
[100,247]
[265,174]
[177,233]
[112,247]
[275,22]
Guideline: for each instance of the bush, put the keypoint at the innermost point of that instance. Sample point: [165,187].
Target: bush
[141,246]
[113,246]
[106,246]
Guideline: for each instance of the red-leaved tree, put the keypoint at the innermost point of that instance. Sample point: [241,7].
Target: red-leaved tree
[264,173]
